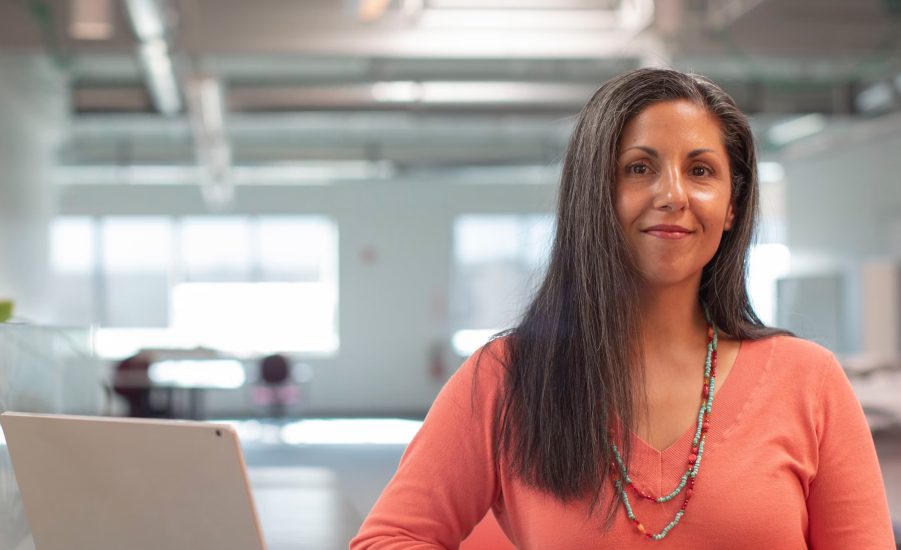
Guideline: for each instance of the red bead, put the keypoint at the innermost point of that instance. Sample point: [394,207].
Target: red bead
[642,494]
[692,458]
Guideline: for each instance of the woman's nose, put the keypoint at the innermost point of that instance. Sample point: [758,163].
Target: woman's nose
[671,193]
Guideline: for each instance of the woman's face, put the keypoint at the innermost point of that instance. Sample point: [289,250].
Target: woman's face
[673,190]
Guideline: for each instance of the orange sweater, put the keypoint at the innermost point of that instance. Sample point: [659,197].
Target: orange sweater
[789,463]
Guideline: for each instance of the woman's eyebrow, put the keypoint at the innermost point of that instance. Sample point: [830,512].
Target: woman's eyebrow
[697,152]
[653,152]
[649,150]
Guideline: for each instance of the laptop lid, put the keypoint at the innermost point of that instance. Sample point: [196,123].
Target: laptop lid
[113,483]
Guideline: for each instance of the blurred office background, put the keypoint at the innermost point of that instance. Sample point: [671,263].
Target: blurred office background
[365,188]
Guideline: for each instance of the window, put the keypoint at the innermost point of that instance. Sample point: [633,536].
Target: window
[73,258]
[498,261]
[239,284]
[297,249]
[768,263]
[136,260]
[216,248]
[257,317]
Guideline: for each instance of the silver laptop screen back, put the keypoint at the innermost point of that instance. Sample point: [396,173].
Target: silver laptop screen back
[110,484]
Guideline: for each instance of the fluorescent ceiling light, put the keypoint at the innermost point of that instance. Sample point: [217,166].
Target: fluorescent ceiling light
[797,128]
[321,172]
[504,92]
[630,15]
[397,92]
[518,19]
[455,93]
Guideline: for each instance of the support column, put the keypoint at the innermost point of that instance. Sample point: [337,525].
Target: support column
[33,113]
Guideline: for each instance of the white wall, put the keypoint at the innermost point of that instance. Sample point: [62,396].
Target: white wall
[845,198]
[843,210]
[390,310]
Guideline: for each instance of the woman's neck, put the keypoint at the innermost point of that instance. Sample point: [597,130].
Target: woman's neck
[672,320]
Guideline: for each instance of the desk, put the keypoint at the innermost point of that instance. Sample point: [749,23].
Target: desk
[876,380]
[193,377]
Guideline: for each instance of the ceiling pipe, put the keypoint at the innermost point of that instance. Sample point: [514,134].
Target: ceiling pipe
[152,31]
[206,112]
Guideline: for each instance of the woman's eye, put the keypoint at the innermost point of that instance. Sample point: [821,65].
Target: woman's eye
[637,169]
[700,171]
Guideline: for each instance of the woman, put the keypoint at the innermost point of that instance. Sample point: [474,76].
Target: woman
[640,398]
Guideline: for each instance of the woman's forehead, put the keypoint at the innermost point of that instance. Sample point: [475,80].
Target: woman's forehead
[679,121]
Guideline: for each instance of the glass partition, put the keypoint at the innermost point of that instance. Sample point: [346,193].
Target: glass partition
[42,370]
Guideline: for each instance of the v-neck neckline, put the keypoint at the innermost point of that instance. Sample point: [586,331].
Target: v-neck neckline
[656,470]
[684,440]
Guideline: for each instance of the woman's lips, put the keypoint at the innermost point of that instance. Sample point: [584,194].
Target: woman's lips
[672,232]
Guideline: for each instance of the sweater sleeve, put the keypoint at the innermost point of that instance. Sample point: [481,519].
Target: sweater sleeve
[846,503]
[446,480]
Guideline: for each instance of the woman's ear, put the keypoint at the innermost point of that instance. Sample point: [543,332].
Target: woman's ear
[730,217]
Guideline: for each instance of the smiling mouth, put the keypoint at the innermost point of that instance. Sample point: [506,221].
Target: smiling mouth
[668,232]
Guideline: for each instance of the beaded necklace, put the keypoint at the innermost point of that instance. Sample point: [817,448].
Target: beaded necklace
[687,481]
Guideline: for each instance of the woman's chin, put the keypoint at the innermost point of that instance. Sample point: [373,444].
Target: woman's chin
[669,278]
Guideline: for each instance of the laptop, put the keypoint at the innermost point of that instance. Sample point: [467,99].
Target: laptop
[112,483]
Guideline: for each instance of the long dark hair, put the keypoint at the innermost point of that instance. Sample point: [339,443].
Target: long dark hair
[573,360]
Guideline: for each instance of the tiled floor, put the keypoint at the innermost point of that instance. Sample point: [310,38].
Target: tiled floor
[302,508]
[320,511]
